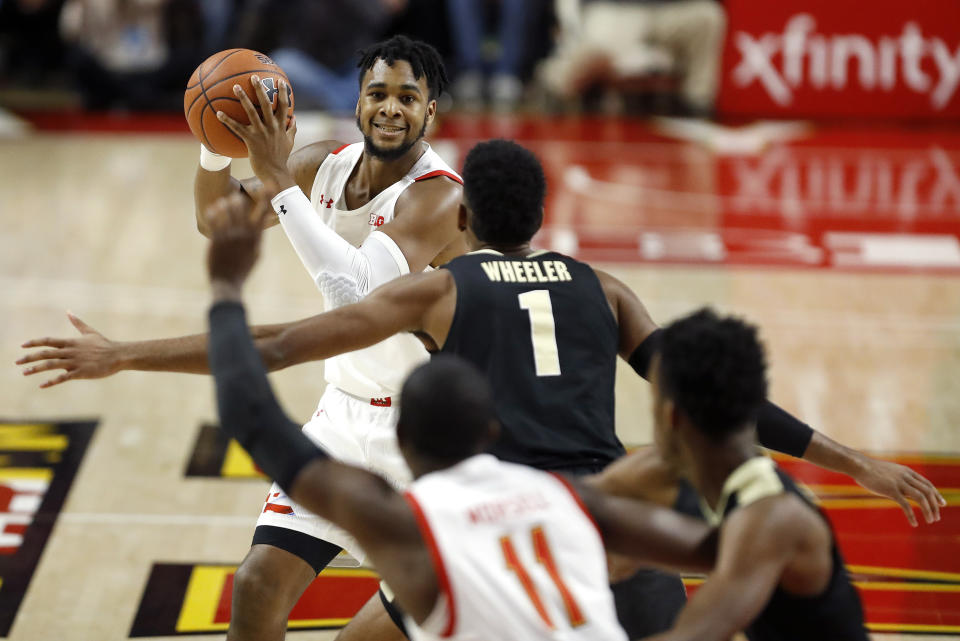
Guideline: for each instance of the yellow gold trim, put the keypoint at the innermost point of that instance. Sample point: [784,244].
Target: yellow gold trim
[202,598]
[237,463]
[907,573]
[912,627]
[906,586]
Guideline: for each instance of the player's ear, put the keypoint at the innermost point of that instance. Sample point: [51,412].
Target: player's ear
[462,217]
[431,110]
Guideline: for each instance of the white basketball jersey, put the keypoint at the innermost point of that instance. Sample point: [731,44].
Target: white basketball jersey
[377,371]
[517,556]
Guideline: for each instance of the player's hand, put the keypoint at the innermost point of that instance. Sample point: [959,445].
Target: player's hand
[91,355]
[268,138]
[235,226]
[900,483]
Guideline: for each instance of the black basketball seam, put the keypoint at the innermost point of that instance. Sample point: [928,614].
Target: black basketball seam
[200,76]
[203,130]
[244,73]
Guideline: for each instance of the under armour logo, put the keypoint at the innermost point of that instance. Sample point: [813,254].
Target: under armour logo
[283,209]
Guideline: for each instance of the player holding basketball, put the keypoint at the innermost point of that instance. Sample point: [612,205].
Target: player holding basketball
[499,307]
[387,207]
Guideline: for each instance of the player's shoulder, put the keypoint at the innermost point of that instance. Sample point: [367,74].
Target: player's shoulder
[305,161]
[440,193]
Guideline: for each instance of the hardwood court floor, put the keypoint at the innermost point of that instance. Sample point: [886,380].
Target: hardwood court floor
[841,245]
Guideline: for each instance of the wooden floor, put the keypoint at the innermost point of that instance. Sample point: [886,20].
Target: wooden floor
[102,225]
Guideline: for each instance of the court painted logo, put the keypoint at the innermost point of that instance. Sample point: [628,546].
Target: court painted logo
[38,462]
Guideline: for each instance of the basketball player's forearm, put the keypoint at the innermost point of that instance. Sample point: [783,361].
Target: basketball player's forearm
[248,409]
[208,186]
[185,354]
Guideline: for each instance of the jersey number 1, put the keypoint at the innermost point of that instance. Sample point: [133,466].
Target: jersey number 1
[543,331]
[541,548]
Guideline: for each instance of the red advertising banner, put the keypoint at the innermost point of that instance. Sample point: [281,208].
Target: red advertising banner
[800,58]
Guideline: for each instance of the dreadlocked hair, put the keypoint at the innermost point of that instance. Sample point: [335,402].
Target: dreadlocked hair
[423,59]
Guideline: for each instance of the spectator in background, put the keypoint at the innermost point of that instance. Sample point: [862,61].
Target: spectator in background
[316,42]
[30,50]
[605,40]
[467,26]
[133,54]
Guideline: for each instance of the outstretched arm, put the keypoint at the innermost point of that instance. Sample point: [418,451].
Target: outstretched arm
[400,307]
[777,429]
[651,534]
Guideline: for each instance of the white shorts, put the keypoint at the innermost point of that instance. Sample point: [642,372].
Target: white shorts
[352,430]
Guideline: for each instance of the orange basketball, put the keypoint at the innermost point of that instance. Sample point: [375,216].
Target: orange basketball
[210,90]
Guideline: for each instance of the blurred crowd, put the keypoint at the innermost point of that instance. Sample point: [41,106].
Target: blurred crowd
[659,56]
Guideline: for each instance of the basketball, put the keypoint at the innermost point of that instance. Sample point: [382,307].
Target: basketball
[210,90]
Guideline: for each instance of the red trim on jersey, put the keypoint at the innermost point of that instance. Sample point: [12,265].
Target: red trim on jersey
[279,509]
[579,501]
[339,149]
[440,172]
[438,565]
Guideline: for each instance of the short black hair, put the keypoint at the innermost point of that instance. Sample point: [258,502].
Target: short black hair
[446,409]
[715,370]
[423,59]
[504,186]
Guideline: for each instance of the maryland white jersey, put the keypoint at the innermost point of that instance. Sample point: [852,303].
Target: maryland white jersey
[377,371]
[517,556]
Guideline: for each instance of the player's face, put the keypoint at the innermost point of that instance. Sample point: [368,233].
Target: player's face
[394,109]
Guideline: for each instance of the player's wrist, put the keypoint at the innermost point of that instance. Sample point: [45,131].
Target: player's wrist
[212,161]
[224,291]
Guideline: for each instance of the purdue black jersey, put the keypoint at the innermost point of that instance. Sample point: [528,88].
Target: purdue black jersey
[835,614]
[541,330]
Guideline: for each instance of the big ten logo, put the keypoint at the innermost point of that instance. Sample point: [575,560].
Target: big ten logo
[782,62]
[796,183]
[376,221]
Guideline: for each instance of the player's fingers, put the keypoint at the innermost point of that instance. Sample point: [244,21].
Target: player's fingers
[66,376]
[926,485]
[82,327]
[47,341]
[292,129]
[283,101]
[905,506]
[266,105]
[926,496]
[233,125]
[45,366]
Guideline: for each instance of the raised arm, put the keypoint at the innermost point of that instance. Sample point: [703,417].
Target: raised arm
[213,180]
[777,429]
[426,224]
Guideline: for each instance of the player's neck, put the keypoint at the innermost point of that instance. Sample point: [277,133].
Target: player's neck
[374,174]
[509,250]
[712,463]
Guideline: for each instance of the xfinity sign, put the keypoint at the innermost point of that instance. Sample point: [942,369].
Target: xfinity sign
[799,56]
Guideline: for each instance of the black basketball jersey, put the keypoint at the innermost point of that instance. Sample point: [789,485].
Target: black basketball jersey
[541,330]
[835,614]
